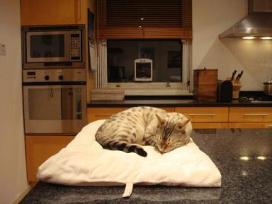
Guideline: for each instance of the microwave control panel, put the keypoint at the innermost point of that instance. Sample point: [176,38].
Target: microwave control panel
[75,47]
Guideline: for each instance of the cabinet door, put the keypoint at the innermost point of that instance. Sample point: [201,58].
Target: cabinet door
[53,12]
[206,117]
[94,114]
[205,114]
[250,117]
[251,114]
[104,113]
[40,148]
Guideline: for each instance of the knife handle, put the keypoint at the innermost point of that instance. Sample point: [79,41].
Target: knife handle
[233,75]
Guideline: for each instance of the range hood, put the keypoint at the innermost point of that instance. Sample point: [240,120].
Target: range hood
[257,24]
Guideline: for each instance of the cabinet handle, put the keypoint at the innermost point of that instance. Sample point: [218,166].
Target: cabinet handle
[202,114]
[256,114]
[269,126]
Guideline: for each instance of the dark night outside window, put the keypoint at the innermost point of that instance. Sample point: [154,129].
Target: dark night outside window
[165,54]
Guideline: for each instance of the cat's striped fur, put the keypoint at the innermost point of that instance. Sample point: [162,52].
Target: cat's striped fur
[129,129]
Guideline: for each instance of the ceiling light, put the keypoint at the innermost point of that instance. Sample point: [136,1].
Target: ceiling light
[248,38]
[266,38]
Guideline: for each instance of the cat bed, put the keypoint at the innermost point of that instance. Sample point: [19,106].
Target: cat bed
[83,162]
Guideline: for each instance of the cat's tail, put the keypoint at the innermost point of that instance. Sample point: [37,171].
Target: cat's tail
[126,147]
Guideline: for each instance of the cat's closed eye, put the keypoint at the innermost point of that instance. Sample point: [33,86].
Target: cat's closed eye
[179,127]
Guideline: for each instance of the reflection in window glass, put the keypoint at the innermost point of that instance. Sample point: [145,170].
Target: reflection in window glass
[166,56]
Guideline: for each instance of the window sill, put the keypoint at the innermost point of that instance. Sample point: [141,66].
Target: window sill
[157,92]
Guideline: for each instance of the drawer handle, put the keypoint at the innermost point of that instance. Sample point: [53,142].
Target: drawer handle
[256,114]
[202,114]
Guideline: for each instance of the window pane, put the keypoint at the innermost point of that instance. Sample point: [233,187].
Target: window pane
[166,56]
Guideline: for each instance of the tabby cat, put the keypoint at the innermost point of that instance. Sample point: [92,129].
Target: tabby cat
[129,129]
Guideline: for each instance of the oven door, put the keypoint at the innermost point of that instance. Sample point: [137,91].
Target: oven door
[54,108]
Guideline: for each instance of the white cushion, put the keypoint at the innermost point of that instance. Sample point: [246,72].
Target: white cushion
[85,162]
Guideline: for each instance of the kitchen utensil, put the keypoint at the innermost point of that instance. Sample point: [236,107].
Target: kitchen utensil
[239,75]
[233,75]
[268,87]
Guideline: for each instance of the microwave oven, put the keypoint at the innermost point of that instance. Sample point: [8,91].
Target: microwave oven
[143,69]
[53,46]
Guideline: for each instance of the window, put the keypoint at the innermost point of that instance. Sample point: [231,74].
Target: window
[152,35]
[165,69]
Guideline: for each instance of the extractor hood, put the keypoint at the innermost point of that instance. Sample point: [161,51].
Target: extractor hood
[257,24]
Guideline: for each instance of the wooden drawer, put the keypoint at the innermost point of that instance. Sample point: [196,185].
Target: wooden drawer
[250,114]
[104,113]
[40,148]
[94,114]
[205,114]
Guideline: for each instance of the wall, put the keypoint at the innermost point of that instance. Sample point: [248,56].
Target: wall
[212,17]
[12,153]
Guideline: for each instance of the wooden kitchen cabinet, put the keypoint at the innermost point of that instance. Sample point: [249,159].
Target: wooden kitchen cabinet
[39,149]
[250,117]
[53,12]
[202,117]
[206,117]
[94,114]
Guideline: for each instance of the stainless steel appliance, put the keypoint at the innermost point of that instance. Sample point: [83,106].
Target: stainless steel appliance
[256,25]
[54,100]
[53,46]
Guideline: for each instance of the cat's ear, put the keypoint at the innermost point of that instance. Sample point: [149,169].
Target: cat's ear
[160,118]
[181,125]
[186,122]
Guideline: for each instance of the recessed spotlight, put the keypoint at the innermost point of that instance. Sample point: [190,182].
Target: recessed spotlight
[266,38]
[248,38]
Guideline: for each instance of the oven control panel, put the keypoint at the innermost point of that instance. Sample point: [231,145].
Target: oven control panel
[56,75]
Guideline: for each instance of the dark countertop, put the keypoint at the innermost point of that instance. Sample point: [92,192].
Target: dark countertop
[174,103]
[243,156]
[187,101]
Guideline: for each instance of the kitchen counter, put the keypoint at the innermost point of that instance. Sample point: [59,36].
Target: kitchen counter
[244,157]
[176,103]
[259,100]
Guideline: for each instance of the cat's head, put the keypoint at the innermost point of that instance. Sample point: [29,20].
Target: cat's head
[173,131]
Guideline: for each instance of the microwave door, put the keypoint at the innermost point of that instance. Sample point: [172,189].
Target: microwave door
[47,47]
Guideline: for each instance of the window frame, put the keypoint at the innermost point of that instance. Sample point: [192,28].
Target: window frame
[146,88]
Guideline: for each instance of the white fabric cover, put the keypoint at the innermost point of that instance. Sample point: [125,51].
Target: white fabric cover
[85,162]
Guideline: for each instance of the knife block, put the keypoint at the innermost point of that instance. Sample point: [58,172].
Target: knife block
[205,84]
[236,89]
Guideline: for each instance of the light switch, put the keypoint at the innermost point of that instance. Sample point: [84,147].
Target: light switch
[2,49]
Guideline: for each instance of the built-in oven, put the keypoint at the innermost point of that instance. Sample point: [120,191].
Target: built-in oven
[53,47]
[54,101]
